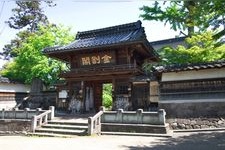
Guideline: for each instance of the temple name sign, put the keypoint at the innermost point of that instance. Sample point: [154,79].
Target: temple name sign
[97,59]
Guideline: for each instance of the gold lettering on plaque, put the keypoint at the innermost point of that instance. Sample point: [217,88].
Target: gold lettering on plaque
[106,59]
[95,60]
[86,61]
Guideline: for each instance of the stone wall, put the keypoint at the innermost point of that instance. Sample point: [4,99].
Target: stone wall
[196,123]
[20,114]
[132,117]
[8,126]
[195,115]
[193,109]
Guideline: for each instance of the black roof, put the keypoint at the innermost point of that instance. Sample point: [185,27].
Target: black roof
[141,78]
[168,41]
[111,36]
[188,67]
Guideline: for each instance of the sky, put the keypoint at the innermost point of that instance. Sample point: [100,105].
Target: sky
[83,15]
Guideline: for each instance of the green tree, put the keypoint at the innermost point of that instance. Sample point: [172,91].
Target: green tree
[191,16]
[9,50]
[107,95]
[27,15]
[30,62]
[201,48]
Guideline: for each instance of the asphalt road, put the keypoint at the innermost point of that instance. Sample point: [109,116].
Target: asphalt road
[179,141]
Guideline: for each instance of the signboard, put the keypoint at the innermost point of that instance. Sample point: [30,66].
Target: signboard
[63,94]
[97,59]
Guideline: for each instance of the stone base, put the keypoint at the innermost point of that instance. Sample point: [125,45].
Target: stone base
[193,110]
[135,128]
[196,123]
[8,126]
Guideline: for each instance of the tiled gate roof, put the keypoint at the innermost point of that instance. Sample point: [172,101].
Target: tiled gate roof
[111,36]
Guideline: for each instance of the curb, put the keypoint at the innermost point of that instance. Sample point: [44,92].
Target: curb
[137,134]
[199,130]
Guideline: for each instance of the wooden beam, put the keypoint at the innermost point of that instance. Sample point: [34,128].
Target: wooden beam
[99,78]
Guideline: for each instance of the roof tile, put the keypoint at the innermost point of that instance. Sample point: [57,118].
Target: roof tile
[126,33]
[187,67]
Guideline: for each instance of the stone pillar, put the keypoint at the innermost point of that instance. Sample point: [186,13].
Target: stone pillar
[102,108]
[3,113]
[139,113]
[52,108]
[154,91]
[38,110]
[26,112]
[33,123]
[36,95]
[119,116]
[162,116]
[36,86]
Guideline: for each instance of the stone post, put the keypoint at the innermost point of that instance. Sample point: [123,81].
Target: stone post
[102,108]
[52,108]
[119,116]
[38,111]
[40,121]
[162,116]
[3,113]
[90,126]
[14,113]
[33,123]
[45,119]
[139,113]
[26,113]
[99,125]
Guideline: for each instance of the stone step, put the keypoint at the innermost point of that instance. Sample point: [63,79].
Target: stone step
[137,134]
[61,131]
[68,123]
[65,126]
[39,134]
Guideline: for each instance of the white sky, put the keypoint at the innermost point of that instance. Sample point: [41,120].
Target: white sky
[84,15]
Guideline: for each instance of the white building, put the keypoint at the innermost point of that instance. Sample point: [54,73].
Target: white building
[11,93]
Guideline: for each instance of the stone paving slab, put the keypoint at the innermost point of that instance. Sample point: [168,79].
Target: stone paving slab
[179,141]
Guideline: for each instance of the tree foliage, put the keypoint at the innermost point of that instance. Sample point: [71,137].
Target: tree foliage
[188,16]
[107,95]
[30,62]
[28,14]
[9,50]
[198,48]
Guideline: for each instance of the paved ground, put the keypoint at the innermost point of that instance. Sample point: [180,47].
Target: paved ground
[179,141]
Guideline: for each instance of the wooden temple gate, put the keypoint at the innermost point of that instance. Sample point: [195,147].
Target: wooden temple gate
[109,55]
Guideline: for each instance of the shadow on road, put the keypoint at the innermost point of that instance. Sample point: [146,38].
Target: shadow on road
[198,141]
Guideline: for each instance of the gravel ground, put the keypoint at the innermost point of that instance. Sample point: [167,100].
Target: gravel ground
[179,141]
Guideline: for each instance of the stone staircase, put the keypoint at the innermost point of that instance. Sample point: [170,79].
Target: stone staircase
[70,126]
[60,128]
